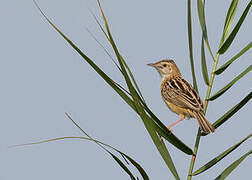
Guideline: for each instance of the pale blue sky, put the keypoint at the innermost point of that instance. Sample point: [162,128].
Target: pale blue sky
[42,77]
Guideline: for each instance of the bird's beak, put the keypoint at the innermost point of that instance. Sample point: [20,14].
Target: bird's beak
[151,64]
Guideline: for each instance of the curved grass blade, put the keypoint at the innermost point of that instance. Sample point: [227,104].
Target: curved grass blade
[219,157]
[225,66]
[139,168]
[164,132]
[104,49]
[123,166]
[90,62]
[232,111]
[170,137]
[232,35]
[148,122]
[113,44]
[95,141]
[229,19]
[133,79]
[121,61]
[229,85]
[201,14]
[189,27]
[230,168]
[203,63]
[108,38]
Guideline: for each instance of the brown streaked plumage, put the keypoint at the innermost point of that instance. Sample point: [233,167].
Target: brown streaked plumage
[179,95]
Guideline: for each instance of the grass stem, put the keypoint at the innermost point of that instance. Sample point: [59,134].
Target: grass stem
[197,141]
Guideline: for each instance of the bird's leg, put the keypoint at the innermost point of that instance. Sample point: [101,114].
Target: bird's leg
[181,117]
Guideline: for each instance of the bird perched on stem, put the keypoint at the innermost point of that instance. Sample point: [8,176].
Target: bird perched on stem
[179,95]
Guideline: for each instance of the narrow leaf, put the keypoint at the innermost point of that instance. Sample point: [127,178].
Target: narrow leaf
[189,27]
[232,35]
[139,168]
[122,166]
[230,168]
[132,77]
[201,14]
[148,122]
[225,66]
[93,140]
[203,63]
[229,19]
[104,49]
[161,147]
[232,111]
[125,74]
[219,157]
[90,62]
[229,85]
[164,132]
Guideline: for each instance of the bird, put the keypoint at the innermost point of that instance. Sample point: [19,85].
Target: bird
[180,97]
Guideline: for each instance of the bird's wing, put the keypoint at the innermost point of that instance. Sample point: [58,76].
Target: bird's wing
[179,92]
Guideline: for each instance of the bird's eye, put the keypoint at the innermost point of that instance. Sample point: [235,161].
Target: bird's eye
[164,65]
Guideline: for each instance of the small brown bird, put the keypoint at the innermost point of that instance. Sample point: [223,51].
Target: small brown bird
[179,95]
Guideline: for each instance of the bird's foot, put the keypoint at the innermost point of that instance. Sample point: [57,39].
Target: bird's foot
[169,128]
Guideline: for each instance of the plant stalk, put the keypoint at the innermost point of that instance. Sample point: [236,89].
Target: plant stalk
[195,150]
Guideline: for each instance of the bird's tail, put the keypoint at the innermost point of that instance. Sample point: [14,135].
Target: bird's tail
[204,124]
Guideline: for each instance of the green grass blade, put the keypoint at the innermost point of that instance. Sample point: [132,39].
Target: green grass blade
[93,140]
[225,66]
[232,111]
[230,168]
[170,138]
[165,133]
[203,63]
[97,21]
[148,122]
[149,125]
[139,168]
[91,63]
[122,166]
[133,79]
[229,19]
[118,55]
[201,14]
[232,35]
[121,61]
[162,130]
[189,27]
[219,157]
[105,50]
[108,38]
[229,85]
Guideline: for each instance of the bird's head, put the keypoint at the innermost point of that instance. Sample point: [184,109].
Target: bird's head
[166,68]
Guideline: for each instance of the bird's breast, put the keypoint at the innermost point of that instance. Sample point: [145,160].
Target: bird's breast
[179,110]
